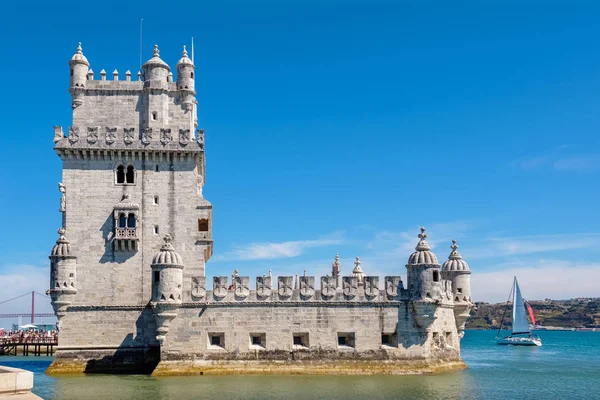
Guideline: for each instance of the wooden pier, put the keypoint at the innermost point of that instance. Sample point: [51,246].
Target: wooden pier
[41,346]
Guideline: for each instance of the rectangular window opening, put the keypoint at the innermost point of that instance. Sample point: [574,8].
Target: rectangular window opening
[459,290]
[385,339]
[154,115]
[71,275]
[300,340]
[156,276]
[258,341]
[156,229]
[436,276]
[155,199]
[216,340]
[346,339]
[202,225]
[156,168]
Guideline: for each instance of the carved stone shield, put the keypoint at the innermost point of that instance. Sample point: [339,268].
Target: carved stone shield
[146,135]
[328,286]
[371,286]
[73,134]
[165,136]
[184,136]
[242,286]
[92,134]
[284,286]
[307,286]
[393,285]
[111,135]
[263,286]
[198,287]
[129,135]
[350,286]
[220,286]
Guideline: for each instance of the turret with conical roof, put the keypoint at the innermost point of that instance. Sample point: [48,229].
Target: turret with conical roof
[423,271]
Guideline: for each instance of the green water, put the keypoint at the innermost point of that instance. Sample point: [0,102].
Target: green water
[566,367]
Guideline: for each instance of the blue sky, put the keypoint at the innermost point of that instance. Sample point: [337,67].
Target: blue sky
[341,127]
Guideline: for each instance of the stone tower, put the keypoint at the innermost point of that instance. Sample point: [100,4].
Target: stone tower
[456,270]
[133,168]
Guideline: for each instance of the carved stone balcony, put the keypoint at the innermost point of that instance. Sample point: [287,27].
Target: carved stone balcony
[126,233]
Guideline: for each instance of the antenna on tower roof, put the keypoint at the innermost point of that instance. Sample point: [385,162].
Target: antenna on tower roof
[193,50]
[141,21]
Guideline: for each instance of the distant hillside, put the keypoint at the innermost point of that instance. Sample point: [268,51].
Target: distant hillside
[574,313]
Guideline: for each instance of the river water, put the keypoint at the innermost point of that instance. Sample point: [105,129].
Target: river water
[567,366]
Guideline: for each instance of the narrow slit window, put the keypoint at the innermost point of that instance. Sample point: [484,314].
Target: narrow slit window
[156,229]
[154,115]
[436,276]
[156,276]
[155,199]
[156,168]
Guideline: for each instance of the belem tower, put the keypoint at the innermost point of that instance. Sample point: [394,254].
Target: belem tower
[128,281]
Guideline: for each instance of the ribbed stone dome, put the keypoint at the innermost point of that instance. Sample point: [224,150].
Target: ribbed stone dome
[184,58]
[78,57]
[357,271]
[455,261]
[423,253]
[167,254]
[62,248]
[155,61]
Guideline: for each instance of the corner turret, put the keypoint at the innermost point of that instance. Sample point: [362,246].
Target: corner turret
[458,272]
[156,70]
[185,80]
[423,272]
[79,70]
[63,266]
[167,281]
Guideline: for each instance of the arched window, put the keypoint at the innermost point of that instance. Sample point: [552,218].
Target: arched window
[120,174]
[122,221]
[130,174]
[203,225]
[131,220]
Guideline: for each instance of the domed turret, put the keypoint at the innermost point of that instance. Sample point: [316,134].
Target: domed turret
[458,272]
[423,270]
[167,279]
[185,79]
[167,271]
[79,70]
[156,69]
[63,268]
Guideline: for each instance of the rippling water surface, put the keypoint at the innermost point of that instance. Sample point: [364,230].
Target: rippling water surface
[566,367]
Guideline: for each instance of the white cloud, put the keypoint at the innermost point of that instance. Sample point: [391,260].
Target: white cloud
[554,279]
[582,163]
[558,160]
[275,250]
[518,245]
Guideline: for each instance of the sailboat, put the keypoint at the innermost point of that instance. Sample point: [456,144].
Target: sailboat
[520,333]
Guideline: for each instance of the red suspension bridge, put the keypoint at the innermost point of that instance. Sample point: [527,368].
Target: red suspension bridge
[29,305]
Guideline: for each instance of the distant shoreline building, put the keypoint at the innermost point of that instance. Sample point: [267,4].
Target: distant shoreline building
[128,281]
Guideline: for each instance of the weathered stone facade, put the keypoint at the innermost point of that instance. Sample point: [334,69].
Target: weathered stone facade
[133,171]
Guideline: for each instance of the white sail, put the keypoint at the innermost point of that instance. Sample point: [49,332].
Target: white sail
[520,324]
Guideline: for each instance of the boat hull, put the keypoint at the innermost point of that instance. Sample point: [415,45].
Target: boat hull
[519,341]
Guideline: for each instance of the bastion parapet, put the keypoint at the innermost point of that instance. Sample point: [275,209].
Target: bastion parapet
[129,286]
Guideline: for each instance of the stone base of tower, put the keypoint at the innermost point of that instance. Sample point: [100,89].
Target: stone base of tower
[105,361]
[345,367]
